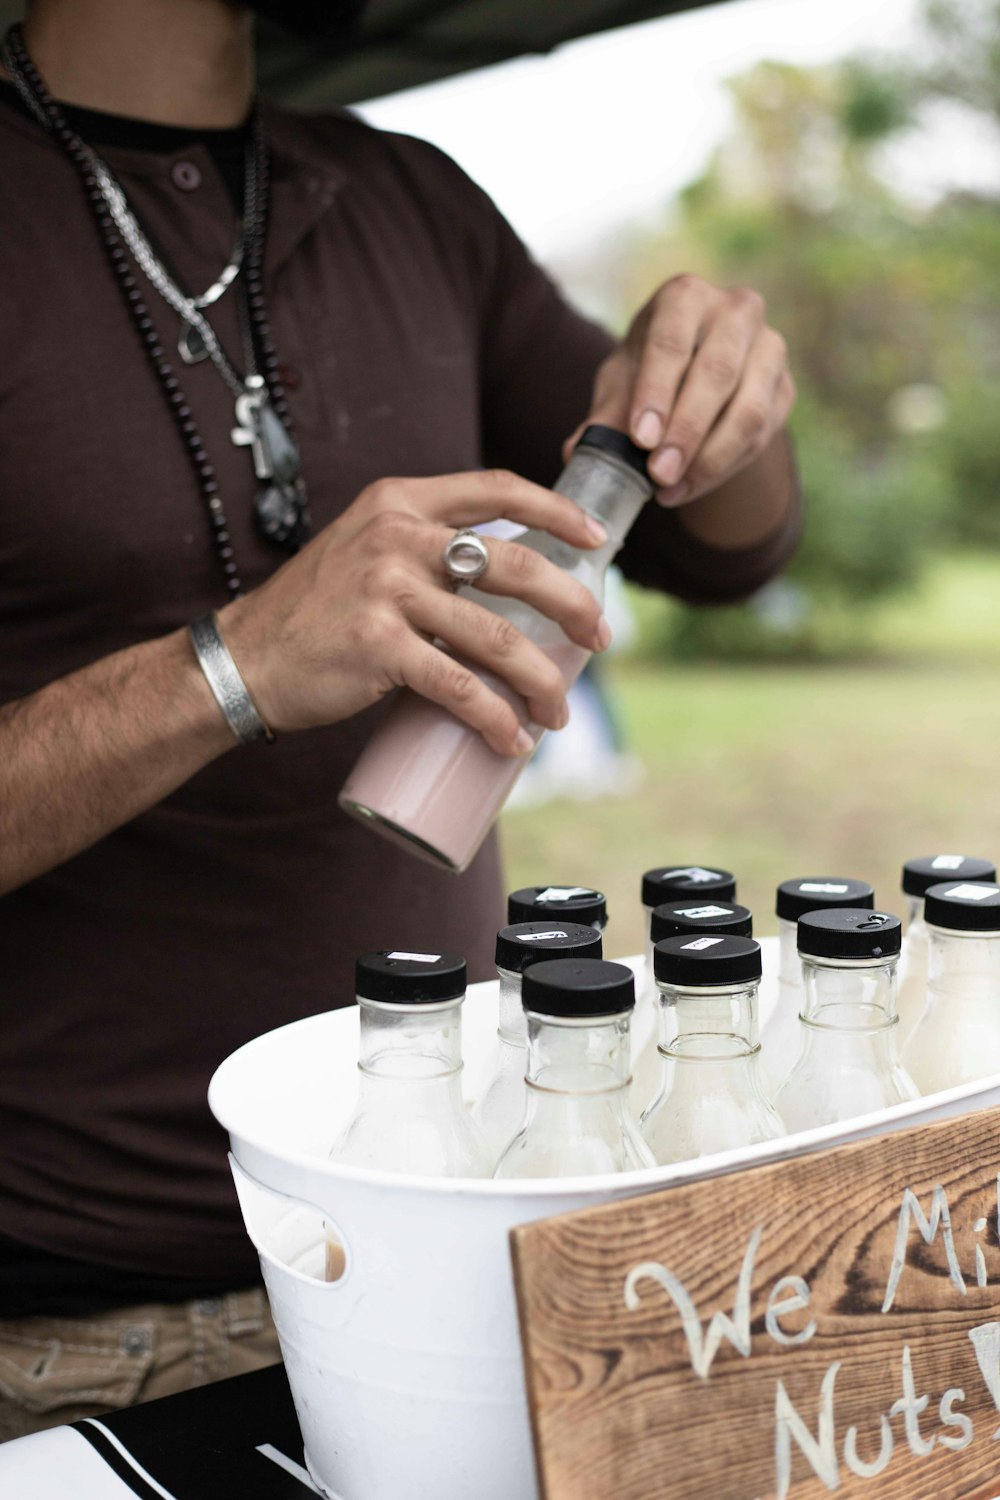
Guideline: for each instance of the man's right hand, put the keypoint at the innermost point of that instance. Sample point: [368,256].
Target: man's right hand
[361,609]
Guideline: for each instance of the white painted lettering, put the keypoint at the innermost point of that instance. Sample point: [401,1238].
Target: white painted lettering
[820,1452]
[909,1406]
[856,1463]
[986,1342]
[939,1218]
[702,1347]
[780,1305]
[952,1418]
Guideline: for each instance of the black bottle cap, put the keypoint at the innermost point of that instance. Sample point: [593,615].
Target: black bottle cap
[570,903]
[404,978]
[707,960]
[677,882]
[610,440]
[527,943]
[849,933]
[820,892]
[578,987]
[677,918]
[964,906]
[920,874]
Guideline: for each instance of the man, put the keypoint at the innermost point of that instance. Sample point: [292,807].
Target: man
[165,894]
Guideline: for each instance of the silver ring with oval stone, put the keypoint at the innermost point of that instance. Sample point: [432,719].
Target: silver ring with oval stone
[465,558]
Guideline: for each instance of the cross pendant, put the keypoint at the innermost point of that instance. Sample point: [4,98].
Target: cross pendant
[249,429]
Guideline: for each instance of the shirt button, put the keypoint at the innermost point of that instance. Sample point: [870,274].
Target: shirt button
[186,176]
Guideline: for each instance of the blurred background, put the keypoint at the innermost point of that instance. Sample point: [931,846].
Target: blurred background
[844,160]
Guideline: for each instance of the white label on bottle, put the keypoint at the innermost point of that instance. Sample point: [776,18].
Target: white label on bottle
[693,872]
[702,943]
[564,893]
[947,861]
[538,937]
[417,958]
[977,892]
[814,888]
[697,912]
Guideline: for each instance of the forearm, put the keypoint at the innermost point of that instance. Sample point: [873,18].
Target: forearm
[750,507]
[727,545]
[93,750]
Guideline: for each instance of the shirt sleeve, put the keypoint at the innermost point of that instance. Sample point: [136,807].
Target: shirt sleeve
[538,360]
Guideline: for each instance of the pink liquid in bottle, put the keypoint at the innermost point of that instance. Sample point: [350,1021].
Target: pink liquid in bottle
[426,780]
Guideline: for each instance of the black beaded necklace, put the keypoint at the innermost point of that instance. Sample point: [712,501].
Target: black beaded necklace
[263,419]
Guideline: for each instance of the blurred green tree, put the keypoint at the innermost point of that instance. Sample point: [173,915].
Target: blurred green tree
[892,314]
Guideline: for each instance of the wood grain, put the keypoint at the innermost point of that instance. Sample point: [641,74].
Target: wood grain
[619,1412]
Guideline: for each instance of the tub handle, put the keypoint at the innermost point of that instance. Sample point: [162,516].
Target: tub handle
[335,1236]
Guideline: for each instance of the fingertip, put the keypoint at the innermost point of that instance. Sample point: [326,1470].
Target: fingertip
[523,743]
[647,428]
[667,466]
[675,494]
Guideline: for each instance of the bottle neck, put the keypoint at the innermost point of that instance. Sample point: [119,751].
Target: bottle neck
[914,910]
[963,962]
[849,995]
[606,488]
[412,1042]
[512,1028]
[580,1055]
[789,966]
[710,1025]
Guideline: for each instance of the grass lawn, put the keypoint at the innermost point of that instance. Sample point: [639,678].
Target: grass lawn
[776,772]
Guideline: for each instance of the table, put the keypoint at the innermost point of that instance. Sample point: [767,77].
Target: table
[238,1437]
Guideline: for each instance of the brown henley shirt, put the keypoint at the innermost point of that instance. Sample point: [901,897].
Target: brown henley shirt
[419,338]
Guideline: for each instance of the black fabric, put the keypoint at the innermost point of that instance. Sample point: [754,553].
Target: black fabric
[36,1282]
[204,1444]
[227,148]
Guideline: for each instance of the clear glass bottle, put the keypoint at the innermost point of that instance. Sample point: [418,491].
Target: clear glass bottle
[695,916]
[410,1116]
[794,898]
[500,1111]
[957,1036]
[712,1094]
[918,877]
[700,885]
[564,903]
[577,1120]
[848,1062]
[427,780]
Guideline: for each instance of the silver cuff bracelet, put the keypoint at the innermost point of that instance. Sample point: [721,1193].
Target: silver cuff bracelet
[226,681]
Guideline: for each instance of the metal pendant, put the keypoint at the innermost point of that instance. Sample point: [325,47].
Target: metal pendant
[283,515]
[191,346]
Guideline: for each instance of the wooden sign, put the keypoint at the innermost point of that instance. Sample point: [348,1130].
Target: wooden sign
[825,1325]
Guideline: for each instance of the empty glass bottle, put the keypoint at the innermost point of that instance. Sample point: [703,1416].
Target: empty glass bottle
[780,1034]
[410,1115]
[713,1094]
[957,1035]
[699,884]
[500,1111]
[577,1120]
[848,1063]
[569,903]
[918,877]
[676,918]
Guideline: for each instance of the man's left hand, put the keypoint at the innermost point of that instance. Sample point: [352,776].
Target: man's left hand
[700,381]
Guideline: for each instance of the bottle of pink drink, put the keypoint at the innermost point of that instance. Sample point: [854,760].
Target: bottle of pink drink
[428,781]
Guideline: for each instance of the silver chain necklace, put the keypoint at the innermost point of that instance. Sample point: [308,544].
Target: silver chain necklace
[281,507]
[189,308]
